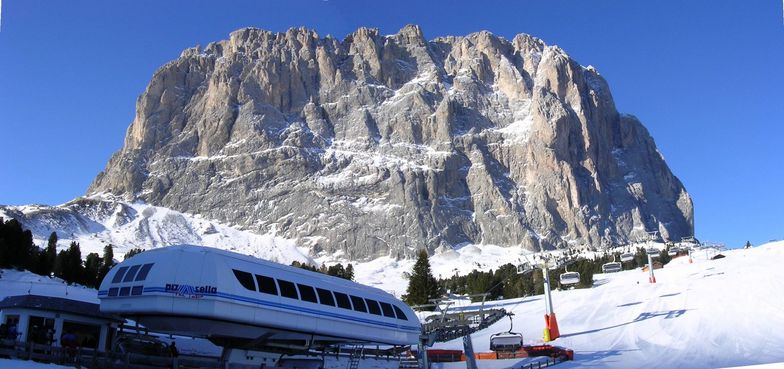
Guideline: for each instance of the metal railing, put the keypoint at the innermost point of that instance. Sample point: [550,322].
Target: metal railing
[91,358]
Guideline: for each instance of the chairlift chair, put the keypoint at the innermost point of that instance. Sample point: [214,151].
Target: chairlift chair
[672,252]
[569,278]
[612,267]
[653,252]
[506,341]
[627,257]
[524,268]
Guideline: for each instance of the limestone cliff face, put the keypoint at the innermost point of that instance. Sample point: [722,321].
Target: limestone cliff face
[379,145]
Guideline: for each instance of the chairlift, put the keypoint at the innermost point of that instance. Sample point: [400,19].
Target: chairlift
[524,268]
[506,341]
[627,257]
[612,267]
[672,252]
[569,278]
[653,252]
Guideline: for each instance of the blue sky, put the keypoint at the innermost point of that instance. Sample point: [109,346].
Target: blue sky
[705,77]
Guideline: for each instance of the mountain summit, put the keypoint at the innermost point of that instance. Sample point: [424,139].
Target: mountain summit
[380,145]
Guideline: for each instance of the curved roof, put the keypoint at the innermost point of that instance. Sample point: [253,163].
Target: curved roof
[270,264]
[57,304]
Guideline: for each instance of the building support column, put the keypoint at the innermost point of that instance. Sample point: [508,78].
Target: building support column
[23,325]
[102,337]
[58,331]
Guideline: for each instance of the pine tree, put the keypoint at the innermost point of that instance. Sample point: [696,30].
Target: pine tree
[107,263]
[349,274]
[422,286]
[132,252]
[50,254]
[337,270]
[16,246]
[92,267]
[664,257]
[68,264]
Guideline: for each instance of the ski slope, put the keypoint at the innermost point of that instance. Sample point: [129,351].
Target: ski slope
[712,313]
[709,314]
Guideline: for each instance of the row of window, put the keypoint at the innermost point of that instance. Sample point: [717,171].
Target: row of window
[298,291]
[133,273]
[125,291]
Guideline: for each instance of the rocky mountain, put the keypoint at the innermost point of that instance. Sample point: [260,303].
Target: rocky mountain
[98,221]
[378,145]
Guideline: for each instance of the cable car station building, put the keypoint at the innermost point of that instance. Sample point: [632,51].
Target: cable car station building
[35,315]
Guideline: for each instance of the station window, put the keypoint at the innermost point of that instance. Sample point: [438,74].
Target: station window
[113,291]
[136,290]
[359,304]
[307,293]
[119,275]
[245,279]
[399,313]
[266,285]
[387,309]
[143,272]
[287,289]
[325,297]
[131,273]
[342,300]
[125,291]
[373,307]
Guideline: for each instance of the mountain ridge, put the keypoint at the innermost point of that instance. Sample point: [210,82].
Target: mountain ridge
[380,145]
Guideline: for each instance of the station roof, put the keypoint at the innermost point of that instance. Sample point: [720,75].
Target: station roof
[57,304]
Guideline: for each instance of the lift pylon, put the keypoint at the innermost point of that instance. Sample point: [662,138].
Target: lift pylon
[551,330]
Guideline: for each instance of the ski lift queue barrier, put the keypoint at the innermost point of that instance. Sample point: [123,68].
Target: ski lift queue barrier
[559,354]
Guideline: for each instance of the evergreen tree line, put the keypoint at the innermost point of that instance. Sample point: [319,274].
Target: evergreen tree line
[504,282]
[336,270]
[17,250]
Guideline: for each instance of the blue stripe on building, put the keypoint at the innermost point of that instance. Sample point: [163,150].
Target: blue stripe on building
[251,300]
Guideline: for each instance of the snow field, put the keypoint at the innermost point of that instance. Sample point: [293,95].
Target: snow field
[712,313]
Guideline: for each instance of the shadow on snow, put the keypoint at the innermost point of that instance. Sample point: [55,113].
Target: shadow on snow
[643,316]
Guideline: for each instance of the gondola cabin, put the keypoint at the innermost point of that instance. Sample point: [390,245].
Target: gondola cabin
[240,301]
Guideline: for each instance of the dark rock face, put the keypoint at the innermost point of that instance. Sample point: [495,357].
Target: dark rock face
[379,145]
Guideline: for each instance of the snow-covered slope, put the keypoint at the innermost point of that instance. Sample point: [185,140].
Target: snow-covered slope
[712,313]
[14,282]
[388,274]
[104,219]
[100,220]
